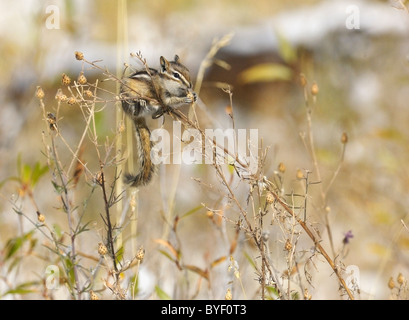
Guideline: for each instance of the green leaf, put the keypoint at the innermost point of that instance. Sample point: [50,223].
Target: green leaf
[119,254]
[272,291]
[83,228]
[133,284]
[286,50]
[13,245]
[59,189]
[38,172]
[266,72]
[166,254]
[69,269]
[250,260]
[24,288]
[191,211]
[162,294]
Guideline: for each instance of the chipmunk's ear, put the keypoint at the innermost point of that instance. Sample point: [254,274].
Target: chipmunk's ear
[164,64]
[176,58]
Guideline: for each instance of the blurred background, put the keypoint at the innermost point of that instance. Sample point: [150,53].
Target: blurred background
[357,52]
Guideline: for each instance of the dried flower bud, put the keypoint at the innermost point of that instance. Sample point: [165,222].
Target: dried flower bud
[314,89]
[281,167]
[391,283]
[140,254]
[39,93]
[209,213]
[269,197]
[71,101]
[81,78]
[288,245]
[303,80]
[344,138]
[93,296]
[79,55]
[88,93]
[102,249]
[40,217]
[307,295]
[401,279]
[65,80]
[299,174]
[228,295]
[98,178]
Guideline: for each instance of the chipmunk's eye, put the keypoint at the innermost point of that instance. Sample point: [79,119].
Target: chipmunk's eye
[176,75]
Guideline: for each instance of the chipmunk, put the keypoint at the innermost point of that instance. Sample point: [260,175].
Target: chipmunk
[151,92]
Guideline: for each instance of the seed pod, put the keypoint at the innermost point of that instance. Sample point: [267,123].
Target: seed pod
[391,283]
[269,198]
[40,217]
[79,55]
[281,167]
[39,93]
[65,80]
[93,296]
[401,279]
[81,78]
[71,101]
[102,249]
[344,138]
[314,89]
[288,245]
[228,295]
[140,254]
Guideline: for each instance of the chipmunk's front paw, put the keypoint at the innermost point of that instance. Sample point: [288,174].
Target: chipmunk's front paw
[191,97]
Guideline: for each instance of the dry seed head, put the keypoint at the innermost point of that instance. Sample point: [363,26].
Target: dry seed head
[140,254]
[65,80]
[71,101]
[344,138]
[281,167]
[79,55]
[269,197]
[299,174]
[88,93]
[63,98]
[209,214]
[39,93]
[81,78]
[98,178]
[102,249]
[40,217]
[401,279]
[391,283]
[228,295]
[288,245]
[314,89]
[307,295]
[93,296]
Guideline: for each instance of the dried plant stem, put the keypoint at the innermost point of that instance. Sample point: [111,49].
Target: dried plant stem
[315,241]
[69,211]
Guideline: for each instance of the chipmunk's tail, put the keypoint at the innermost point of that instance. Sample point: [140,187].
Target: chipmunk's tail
[146,166]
